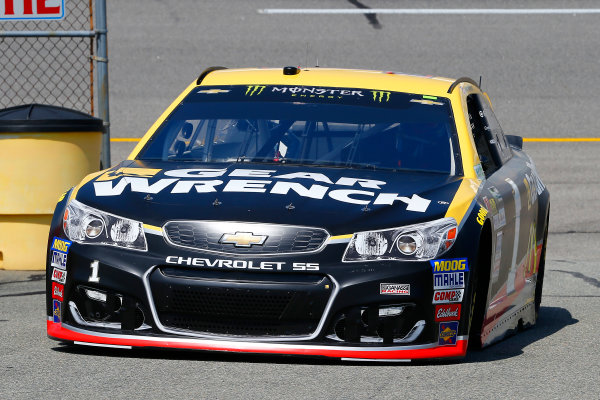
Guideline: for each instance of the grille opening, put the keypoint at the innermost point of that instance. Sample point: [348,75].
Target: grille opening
[261,308]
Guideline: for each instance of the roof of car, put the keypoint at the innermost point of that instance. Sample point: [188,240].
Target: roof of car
[332,77]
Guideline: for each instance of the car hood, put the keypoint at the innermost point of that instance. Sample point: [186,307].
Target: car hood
[341,200]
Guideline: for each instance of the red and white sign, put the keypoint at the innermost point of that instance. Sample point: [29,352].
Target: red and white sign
[32,9]
[448,312]
[58,291]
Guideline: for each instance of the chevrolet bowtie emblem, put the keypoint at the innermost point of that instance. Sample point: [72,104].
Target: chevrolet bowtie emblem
[243,239]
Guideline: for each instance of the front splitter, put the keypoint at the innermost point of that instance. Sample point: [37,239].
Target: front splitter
[62,331]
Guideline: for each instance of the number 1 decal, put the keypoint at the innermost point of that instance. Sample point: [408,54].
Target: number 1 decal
[94,276]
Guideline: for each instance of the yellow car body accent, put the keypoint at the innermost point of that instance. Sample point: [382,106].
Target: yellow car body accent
[83,182]
[341,237]
[463,199]
[159,121]
[139,172]
[153,228]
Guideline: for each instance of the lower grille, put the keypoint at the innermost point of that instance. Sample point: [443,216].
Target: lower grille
[253,305]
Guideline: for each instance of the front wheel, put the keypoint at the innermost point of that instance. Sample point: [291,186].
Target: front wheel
[540,273]
[479,285]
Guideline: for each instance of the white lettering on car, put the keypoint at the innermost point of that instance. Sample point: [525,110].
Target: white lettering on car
[344,195]
[196,173]
[415,203]
[306,175]
[314,192]
[200,186]
[180,185]
[238,185]
[241,264]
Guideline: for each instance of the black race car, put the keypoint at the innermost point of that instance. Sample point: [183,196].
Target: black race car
[340,213]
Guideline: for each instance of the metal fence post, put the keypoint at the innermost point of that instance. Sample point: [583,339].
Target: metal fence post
[102,78]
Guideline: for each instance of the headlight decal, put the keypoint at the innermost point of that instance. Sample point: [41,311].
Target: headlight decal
[87,225]
[419,242]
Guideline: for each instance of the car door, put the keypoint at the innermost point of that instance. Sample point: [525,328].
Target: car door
[509,196]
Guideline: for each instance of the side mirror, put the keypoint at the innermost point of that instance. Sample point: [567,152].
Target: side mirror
[515,141]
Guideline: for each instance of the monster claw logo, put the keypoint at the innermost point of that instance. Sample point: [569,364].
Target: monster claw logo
[379,96]
[254,90]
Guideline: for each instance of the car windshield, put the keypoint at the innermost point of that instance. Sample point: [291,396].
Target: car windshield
[319,126]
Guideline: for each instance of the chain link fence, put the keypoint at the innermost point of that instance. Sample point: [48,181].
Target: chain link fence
[57,70]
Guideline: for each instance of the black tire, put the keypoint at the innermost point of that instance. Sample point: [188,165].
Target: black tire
[540,273]
[479,283]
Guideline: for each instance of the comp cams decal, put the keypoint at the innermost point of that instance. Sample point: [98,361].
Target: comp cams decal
[59,275]
[448,296]
[243,264]
[183,181]
[60,249]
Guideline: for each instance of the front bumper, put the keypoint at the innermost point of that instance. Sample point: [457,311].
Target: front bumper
[353,292]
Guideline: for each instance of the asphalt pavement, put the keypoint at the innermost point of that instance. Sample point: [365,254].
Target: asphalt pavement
[541,72]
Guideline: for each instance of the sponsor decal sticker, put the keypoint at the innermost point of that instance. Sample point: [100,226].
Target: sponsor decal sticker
[448,312]
[56,310]
[61,245]
[254,90]
[380,96]
[207,180]
[449,280]
[394,288]
[59,275]
[448,333]
[481,214]
[58,291]
[479,172]
[59,260]
[448,296]
[449,265]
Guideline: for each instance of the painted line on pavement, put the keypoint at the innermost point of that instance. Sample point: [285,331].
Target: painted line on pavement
[432,11]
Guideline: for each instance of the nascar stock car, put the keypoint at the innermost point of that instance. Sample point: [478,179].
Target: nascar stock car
[317,212]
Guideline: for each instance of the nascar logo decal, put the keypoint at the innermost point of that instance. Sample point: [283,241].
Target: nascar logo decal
[448,296]
[448,333]
[449,265]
